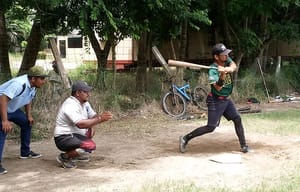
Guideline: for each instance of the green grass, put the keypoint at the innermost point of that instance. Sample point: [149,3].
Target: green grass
[172,186]
[276,122]
[286,184]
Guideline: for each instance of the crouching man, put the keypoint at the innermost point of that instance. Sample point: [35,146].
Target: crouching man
[74,126]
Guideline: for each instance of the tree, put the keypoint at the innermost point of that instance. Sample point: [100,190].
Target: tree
[164,21]
[18,26]
[252,25]
[4,58]
[97,20]
[49,16]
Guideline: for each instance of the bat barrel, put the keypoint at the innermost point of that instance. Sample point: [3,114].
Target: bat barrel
[187,64]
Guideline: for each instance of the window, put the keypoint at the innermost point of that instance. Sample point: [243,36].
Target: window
[75,42]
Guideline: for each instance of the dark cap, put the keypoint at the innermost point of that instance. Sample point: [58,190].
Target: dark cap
[220,49]
[81,86]
[37,71]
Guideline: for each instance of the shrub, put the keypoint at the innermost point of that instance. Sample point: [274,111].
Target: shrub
[42,55]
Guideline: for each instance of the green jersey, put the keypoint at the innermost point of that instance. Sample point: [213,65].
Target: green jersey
[213,77]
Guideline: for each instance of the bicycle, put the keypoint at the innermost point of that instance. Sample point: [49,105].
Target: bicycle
[175,101]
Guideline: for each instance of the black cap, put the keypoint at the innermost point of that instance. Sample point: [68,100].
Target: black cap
[220,49]
[81,86]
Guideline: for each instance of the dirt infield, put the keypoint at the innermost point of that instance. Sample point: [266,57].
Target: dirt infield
[142,148]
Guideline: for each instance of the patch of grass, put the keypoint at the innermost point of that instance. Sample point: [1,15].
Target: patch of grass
[288,183]
[178,186]
[276,122]
[169,186]
[86,72]
[284,184]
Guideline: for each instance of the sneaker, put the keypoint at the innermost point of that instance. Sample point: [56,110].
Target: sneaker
[81,158]
[245,149]
[80,151]
[2,170]
[182,144]
[31,154]
[65,163]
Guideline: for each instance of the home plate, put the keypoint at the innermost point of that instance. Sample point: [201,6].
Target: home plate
[226,158]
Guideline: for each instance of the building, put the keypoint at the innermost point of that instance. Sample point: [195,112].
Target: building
[75,50]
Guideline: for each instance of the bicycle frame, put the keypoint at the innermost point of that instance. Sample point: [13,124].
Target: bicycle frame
[175,101]
[182,90]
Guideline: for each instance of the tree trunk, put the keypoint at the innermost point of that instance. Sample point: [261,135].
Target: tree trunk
[173,49]
[183,41]
[101,59]
[183,50]
[113,48]
[226,26]
[238,64]
[141,76]
[33,45]
[5,72]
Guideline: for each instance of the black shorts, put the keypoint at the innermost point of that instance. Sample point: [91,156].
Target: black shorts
[70,142]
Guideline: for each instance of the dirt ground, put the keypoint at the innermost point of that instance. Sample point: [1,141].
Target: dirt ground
[141,148]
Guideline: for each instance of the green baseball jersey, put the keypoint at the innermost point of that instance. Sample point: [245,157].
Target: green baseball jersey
[213,77]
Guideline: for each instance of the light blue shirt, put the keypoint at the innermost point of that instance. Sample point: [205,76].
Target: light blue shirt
[19,91]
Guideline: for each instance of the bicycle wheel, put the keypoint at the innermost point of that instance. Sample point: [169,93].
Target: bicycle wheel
[199,97]
[174,104]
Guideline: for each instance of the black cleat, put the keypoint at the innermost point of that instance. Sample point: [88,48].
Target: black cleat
[245,149]
[182,144]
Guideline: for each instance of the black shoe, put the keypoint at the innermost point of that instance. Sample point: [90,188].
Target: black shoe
[182,144]
[2,170]
[245,149]
[31,154]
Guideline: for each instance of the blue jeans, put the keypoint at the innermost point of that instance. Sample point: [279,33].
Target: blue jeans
[19,118]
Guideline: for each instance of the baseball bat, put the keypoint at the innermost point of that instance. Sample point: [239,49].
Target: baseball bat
[187,64]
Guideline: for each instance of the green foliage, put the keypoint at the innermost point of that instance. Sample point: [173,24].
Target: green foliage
[254,24]
[18,25]
[124,96]
[292,71]
[41,55]
[86,72]
[249,86]
[251,42]
[154,90]
[286,30]
[279,85]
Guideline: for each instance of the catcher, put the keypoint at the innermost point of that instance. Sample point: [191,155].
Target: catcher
[74,126]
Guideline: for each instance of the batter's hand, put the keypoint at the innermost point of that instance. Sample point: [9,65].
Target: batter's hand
[221,69]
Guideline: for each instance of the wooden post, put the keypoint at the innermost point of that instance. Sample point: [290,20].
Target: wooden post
[161,60]
[263,78]
[60,66]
